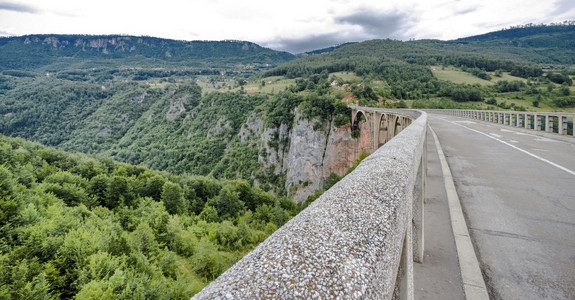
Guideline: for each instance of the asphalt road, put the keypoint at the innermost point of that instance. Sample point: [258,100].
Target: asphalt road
[518,195]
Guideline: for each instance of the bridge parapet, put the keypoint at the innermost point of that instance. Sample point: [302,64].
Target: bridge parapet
[358,240]
[550,122]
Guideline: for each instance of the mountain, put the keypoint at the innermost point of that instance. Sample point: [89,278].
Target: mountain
[542,44]
[57,52]
[324,50]
[201,113]
[381,56]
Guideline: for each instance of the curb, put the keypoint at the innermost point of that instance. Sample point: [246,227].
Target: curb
[473,283]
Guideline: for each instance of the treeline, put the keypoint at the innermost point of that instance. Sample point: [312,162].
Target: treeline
[541,44]
[525,30]
[377,56]
[83,227]
[172,128]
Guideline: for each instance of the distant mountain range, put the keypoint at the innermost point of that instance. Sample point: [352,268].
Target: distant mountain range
[38,51]
[544,44]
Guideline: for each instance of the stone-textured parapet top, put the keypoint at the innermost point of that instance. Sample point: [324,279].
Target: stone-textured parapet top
[345,245]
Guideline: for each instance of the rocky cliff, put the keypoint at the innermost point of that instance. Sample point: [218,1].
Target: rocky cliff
[305,155]
[314,154]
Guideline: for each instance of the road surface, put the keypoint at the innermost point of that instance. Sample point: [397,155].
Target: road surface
[518,195]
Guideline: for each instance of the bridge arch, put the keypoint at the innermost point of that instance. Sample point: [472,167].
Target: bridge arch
[383,134]
[356,118]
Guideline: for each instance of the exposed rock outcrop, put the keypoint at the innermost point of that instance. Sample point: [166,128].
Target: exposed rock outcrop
[305,160]
[342,149]
[306,156]
[314,154]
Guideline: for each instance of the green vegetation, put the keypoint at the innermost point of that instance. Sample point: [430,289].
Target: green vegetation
[73,52]
[552,44]
[455,75]
[76,226]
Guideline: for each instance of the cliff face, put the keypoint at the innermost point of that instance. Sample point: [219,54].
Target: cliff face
[342,150]
[306,156]
[305,159]
[313,155]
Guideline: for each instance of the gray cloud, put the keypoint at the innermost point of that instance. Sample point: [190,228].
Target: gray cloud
[5,33]
[373,25]
[17,7]
[376,24]
[307,43]
[466,11]
[564,7]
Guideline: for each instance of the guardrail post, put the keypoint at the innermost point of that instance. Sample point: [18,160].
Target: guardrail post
[548,124]
[562,129]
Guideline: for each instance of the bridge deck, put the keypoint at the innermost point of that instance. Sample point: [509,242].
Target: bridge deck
[439,276]
[518,194]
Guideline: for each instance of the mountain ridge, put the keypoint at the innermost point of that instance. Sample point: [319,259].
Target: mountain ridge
[50,49]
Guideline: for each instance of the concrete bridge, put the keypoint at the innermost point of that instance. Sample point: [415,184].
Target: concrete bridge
[360,239]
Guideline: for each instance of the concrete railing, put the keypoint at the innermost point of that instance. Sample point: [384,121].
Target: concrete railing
[356,241]
[559,123]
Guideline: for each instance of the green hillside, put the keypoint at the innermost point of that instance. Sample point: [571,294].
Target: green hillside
[52,53]
[72,225]
[541,44]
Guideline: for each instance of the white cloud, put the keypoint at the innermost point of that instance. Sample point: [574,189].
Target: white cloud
[290,25]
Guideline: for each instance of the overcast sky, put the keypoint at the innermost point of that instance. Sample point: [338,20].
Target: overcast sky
[294,25]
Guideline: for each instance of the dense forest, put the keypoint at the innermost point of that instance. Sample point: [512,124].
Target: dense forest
[72,225]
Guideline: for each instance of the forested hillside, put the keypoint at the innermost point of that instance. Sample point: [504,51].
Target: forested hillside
[91,228]
[52,53]
[543,44]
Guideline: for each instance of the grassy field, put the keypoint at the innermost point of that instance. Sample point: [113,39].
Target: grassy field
[457,76]
[346,76]
[274,84]
[271,85]
[505,76]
